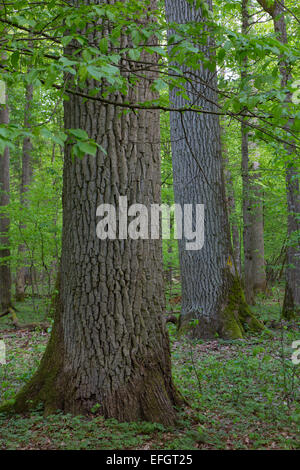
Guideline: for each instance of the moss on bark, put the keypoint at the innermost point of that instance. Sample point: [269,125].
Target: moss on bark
[233,319]
[237,317]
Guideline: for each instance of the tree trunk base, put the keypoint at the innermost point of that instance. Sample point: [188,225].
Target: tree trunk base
[20,296]
[290,311]
[148,396]
[147,399]
[233,322]
[237,316]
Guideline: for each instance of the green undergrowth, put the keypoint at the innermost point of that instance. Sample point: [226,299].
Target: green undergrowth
[243,394]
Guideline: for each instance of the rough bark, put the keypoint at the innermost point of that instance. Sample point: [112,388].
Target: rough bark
[211,291]
[5,273]
[109,344]
[291,304]
[25,182]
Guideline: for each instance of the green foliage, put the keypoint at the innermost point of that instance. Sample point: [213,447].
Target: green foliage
[63,55]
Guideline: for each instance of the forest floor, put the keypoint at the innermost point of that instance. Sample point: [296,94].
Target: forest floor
[242,395]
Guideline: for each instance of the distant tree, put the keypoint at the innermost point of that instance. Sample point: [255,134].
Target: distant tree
[5,273]
[257,276]
[253,231]
[291,305]
[25,182]
[211,290]
[231,206]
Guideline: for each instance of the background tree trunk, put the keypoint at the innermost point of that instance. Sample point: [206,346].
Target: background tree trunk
[25,182]
[259,282]
[291,304]
[211,291]
[230,198]
[247,219]
[109,345]
[5,274]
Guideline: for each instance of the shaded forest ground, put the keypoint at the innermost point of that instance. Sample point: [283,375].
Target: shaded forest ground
[242,394]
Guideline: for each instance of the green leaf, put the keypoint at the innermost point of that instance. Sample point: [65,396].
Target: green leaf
[79,134]
[103,45]
[89,148]
[15,57]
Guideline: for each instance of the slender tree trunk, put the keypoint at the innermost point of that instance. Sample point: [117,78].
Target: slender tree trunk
[291,304]
[234,226]
[109,345]
[26,180]
[247,219]
[211,291]
[235,234]
[253,227]
[259,281]
[5,273]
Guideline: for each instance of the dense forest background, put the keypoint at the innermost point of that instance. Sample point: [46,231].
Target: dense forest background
[103,80]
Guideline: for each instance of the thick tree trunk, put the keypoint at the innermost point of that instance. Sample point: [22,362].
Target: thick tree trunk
[25,182]
[109,345]
[291,304]
[5,274]
[211,291]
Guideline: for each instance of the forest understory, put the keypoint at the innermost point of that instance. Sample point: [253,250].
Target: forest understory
[241,394]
